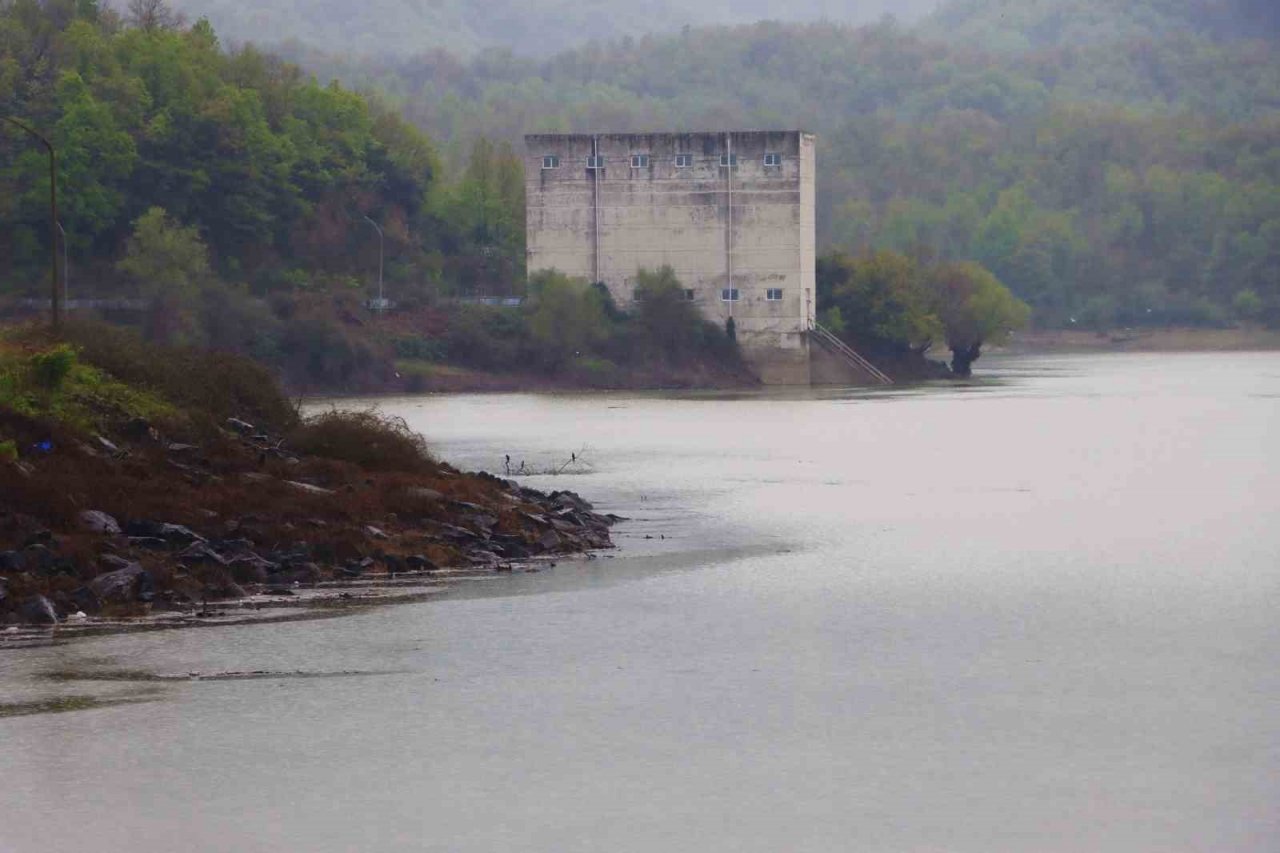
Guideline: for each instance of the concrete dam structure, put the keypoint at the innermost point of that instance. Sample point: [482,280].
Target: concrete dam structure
[731,213]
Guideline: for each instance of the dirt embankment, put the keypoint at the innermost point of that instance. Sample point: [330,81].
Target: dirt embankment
[421,377]
[1145,340]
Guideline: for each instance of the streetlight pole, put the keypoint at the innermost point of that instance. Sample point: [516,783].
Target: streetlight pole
[66,271]
[53,217]
[380,242]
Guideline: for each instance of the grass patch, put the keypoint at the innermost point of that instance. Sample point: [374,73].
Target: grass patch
[103,675]
[63,704]
[95,374]
[369,439]
[218,384]
[54,384]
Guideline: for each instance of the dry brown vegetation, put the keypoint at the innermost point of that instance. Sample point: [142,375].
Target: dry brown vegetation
[341,494]
[367,438]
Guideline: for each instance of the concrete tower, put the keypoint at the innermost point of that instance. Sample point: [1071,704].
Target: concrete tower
[731,213]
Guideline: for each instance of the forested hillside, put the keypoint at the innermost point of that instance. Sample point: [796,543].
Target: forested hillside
[1021,25]
[229,193]
[226,200]
[1128,181]
[379,28]
[1136,180]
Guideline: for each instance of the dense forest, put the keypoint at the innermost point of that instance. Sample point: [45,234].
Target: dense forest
[224,198]
[1020,25]
[1121,173]
[209,184]
[1124,178]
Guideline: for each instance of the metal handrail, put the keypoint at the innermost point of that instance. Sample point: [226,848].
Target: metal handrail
[825,336]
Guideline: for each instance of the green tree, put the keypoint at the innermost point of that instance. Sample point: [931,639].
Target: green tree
[96,159]
[168,264]
[165,258]
[486,211]
[879,299]
[669,321]
[566,318]
[1248,305]
[974,309]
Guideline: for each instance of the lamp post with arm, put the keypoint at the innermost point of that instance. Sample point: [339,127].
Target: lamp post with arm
[381,302]
[53,217]
[66,271]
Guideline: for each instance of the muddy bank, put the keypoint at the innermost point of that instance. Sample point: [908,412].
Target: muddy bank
[421,378]
[1144,340]
[137,530]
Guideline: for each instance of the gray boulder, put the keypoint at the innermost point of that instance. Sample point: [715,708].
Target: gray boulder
[113,562]
[122,585]
[98,521]
[86,600]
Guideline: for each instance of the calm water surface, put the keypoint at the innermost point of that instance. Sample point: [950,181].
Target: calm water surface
[1036,613]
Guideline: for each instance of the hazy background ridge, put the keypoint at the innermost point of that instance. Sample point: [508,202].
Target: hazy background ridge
[380,28]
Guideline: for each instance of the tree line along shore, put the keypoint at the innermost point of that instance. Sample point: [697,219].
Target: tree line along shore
[223,197]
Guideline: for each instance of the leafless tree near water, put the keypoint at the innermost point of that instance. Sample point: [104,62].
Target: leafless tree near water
[153,15]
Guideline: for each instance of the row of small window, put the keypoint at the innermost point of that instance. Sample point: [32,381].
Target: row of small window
[772,294]
[641,161]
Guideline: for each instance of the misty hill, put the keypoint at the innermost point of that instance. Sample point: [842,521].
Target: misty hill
[1131,183]
[1023,25]
[816,76]
[379,28]
[392,28]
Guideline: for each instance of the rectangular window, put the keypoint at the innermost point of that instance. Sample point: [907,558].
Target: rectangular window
[727,295]
[688,294]
[773,159]
[684,161]
[551,161]
[729,160]
[773,294]
[639,161]
[595,162]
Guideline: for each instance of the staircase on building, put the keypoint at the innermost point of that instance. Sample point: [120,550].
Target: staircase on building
[846,353]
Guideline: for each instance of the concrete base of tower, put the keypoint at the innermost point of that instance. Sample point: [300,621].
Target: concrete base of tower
[781,360]
[828,368]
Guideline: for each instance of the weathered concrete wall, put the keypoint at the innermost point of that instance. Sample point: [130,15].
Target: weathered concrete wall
[750,227]
[826,368]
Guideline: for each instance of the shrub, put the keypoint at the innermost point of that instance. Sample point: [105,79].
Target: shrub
[51,367]
[372,440]
[1247,305]
[599,372]
[317,351]
[486,338]
[565,318]
[8,451]
[220,385]
[423,349]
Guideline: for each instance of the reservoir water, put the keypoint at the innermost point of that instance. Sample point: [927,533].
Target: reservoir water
[1038,612]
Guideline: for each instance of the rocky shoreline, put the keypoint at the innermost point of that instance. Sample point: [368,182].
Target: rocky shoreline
[170,533]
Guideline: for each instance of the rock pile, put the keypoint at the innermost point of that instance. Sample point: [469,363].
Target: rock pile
[250,516]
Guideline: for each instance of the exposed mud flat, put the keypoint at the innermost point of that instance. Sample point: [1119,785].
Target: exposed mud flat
[1143,340]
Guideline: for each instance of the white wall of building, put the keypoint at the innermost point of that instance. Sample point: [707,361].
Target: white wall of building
[751,226]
